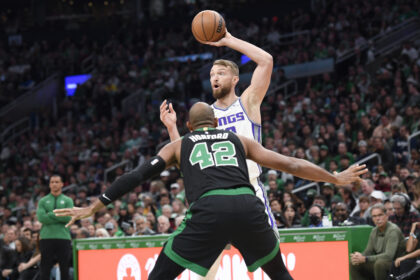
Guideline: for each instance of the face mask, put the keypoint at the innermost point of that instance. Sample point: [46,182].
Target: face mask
[314,219]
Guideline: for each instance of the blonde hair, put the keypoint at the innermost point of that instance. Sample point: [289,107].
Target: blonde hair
[229,64]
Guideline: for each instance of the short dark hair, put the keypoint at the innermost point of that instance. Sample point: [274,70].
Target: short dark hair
[320,196]
[363,198]
[57,175]
[26,244]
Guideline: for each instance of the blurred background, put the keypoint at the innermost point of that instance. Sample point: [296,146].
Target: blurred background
[81,83]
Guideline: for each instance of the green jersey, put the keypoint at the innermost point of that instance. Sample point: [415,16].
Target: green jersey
[53,227]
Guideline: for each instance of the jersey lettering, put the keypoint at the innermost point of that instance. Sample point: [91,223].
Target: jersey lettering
[231,119]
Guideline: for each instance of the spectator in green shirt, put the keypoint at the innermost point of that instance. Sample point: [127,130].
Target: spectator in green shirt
[386,242]
[54,233]
[273,175]
[342,151]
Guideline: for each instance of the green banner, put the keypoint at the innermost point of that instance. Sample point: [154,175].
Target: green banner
[358,235]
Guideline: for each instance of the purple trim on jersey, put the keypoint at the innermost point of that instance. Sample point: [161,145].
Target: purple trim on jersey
[272,223]
[256,133]
[214,106]
[246,114]
[253,125]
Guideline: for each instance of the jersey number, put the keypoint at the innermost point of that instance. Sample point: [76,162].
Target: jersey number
[231,128]
[223,153]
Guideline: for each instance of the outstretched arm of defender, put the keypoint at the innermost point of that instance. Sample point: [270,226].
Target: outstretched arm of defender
[299,167]
[124,184]
[168,117]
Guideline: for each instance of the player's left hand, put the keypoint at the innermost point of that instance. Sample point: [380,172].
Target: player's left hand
[221,43]
[167,114]
[350,175]
[76,213]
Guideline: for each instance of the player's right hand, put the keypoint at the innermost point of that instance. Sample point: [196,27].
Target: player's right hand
[167,114]
[76,213]
[221,43]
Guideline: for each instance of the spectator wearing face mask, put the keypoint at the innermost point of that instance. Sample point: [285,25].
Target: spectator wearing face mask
[319,200]
[315,216]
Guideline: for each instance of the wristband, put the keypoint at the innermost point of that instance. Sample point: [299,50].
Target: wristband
[413,235]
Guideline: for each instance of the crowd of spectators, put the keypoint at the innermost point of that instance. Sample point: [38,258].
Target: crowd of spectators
[130,59]
[335,121]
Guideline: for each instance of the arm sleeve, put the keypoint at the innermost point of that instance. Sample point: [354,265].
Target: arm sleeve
[391,247]
[129,181]
[42,214]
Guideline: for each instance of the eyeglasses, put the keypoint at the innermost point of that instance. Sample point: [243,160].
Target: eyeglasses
[379,215]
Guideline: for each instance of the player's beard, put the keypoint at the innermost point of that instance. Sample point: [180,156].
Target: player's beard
[221,92]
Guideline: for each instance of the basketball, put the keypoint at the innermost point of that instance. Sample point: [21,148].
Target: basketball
[208,26]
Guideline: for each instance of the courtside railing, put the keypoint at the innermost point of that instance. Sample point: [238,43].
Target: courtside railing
[368,158]
[15,130]
[135,101]
[289,89]
[385,42]
[316,185]
[33,101]
[70,187]
[126,162]
[307,186]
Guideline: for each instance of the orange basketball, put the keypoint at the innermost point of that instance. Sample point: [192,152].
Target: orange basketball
[208,26]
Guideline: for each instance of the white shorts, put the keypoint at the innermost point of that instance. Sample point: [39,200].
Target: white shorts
[262,195]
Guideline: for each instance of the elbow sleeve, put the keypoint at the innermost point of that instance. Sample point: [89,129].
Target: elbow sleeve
[129,181]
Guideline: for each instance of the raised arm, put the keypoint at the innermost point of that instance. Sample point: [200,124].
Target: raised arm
[168,117]
[299,167]
[253,96]
[125,183]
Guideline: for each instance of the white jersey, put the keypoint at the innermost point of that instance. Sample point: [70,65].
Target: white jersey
[235,119]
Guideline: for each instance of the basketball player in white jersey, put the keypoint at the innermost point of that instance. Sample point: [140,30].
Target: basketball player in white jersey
[242,114]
